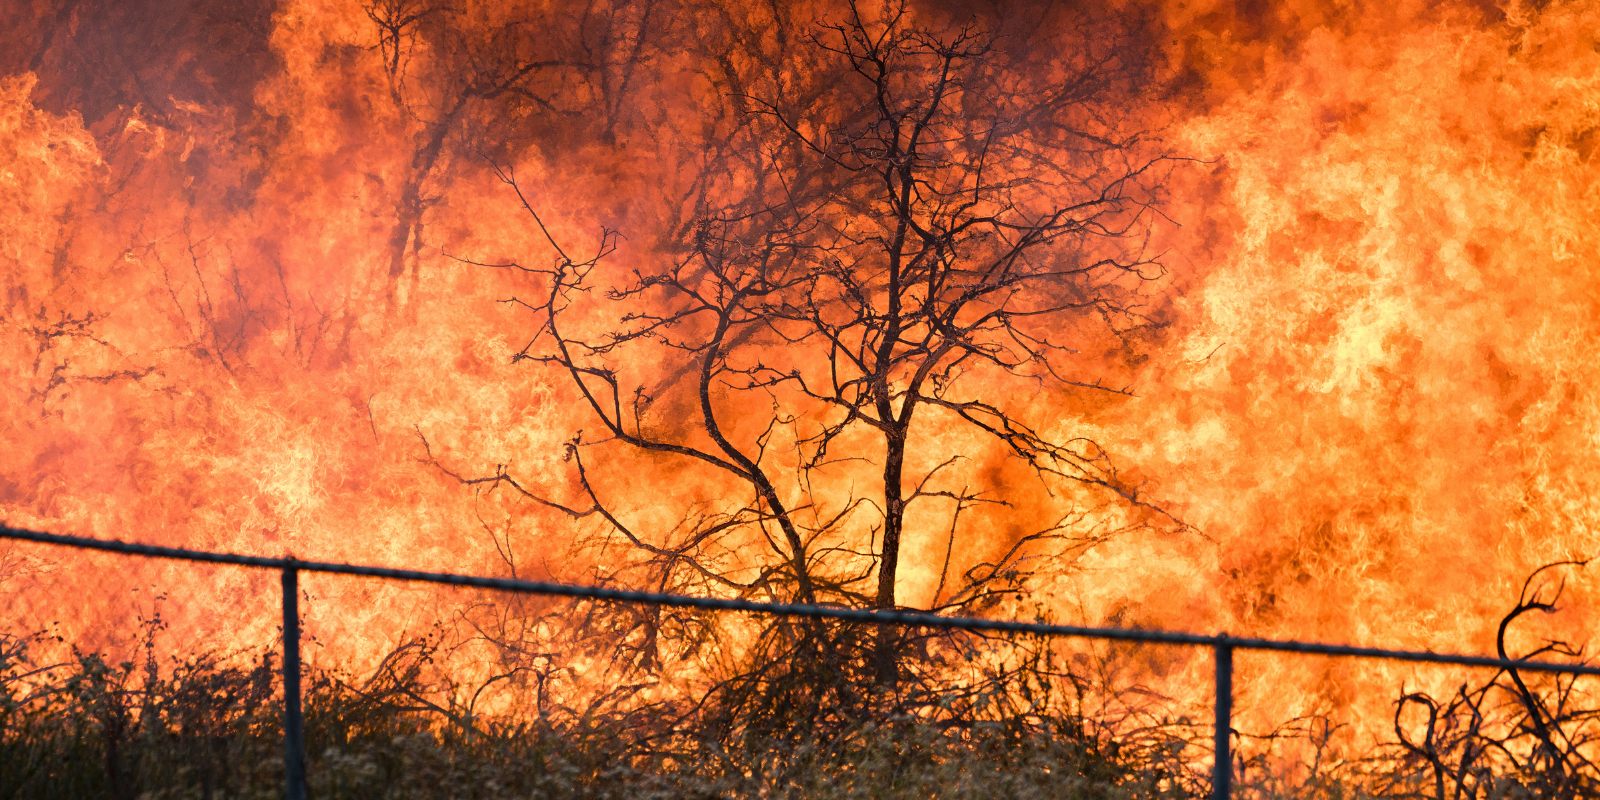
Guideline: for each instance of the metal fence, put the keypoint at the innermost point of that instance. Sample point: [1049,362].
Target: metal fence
[1221,644]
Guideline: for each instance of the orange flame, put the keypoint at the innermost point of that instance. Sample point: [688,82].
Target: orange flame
[229,316]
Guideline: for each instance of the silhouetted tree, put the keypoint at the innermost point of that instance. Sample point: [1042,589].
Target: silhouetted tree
[917,232]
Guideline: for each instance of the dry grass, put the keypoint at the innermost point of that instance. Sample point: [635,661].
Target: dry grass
[208,726]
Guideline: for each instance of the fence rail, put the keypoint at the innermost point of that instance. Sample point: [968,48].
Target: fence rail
[1222,644]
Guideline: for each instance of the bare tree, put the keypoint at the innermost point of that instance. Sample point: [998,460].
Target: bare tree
[920,228]
[455,69]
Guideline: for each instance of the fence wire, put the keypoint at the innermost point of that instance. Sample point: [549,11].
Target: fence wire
[1223,645]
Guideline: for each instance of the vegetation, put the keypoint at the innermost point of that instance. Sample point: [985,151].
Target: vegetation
[208,725]
[910,231]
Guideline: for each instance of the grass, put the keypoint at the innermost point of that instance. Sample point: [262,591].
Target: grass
[208,725]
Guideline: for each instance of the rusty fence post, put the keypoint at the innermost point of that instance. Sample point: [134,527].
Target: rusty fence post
[294,743]
[1222,771]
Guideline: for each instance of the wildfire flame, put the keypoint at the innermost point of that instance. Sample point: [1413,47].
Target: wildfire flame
[232,321]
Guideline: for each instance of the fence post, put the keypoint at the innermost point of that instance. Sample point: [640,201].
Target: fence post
[1222,771]
[294,744]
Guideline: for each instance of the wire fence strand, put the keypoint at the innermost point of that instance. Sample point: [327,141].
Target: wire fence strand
[883,617]
[1222,645]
